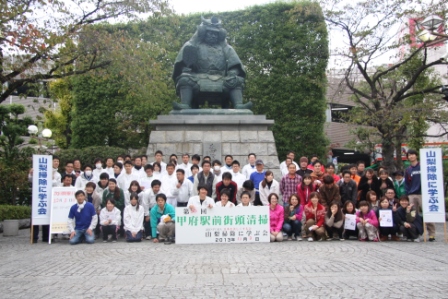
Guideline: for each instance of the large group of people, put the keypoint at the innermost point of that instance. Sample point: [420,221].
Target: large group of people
[135,198]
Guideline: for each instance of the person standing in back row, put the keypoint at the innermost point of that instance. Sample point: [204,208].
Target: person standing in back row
[414,189]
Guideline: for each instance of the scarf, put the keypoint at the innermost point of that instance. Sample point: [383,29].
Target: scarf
[81,206]
[137,167]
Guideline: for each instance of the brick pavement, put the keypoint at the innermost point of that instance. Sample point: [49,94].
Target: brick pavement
[335,269]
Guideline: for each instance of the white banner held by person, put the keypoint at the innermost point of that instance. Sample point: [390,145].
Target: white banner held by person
[223,225]
[63,198]
[386,218]
[42,185]
[431,173]
[350,221]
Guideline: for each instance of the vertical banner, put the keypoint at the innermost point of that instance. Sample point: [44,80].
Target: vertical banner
[431,170]
[223,225]
[42,185]
[62,199]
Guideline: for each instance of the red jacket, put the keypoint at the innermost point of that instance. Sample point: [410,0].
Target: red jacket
[304,194]
[319,217]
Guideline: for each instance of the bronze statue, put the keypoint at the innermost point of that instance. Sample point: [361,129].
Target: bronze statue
[208,69]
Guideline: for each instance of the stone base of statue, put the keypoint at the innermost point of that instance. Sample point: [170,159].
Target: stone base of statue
[235,132]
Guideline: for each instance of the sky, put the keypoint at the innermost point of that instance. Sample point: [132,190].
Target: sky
[192,6]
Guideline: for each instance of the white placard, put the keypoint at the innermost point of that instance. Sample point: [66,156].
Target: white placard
[386,218]
[146,184]
[431,173]
[63,198]
[350,222]
[223,225]
[42,185]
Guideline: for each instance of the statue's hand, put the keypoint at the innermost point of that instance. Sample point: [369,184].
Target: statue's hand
[186,70]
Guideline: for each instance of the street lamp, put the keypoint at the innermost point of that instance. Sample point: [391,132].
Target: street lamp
[45,133]
[429,29]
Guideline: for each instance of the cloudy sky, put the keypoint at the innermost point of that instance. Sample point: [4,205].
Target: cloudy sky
[191,6]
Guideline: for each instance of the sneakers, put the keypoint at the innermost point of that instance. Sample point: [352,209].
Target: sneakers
[329,239]
[289,238]
[432,238]
[148,238]
[362,240]
[376,240]
[114,241]
[298,238]
[310,239]
[169,241]
[418,240]
[384,238]
[104,241]
[395,238]
[341,239]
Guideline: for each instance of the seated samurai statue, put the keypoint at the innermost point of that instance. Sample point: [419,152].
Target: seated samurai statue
[207,69]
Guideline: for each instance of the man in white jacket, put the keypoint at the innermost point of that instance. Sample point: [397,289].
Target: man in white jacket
[185,165]
[237,176]
[124,180]
[169,181]
[201,203]
[183,190]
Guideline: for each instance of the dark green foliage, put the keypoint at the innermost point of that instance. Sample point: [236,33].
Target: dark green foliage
[284,48]
[14,212]
[14,158]
[87,155]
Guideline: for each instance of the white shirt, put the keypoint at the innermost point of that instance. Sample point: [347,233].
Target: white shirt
[110,171]
[186,168]
[168,184]
[229,204]
[238,178]
[185,191]
[148,200]
[248,170]
[124,180]
[133,219]
[264,192]
[114,215]
[284,169]
[141,173]
[196,202]
[56,178]
[226,169]
[241,205]
[82,181]
[96,172]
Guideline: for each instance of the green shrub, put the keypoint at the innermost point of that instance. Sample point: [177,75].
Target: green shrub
[14,212]
[87,155]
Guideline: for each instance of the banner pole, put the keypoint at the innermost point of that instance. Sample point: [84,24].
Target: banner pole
[32,233]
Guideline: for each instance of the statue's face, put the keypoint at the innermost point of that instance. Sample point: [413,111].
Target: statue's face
[211,37]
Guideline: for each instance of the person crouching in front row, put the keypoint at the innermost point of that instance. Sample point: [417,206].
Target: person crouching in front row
[84,216]
[162,219]
[110,220]
[133,220]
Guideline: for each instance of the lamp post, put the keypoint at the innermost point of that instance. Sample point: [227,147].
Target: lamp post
[430,30]
[33,130]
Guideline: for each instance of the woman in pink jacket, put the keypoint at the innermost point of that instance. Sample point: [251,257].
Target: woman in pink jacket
[366,222]
[276,217]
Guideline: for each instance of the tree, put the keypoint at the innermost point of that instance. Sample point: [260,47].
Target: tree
[284,48]
[394,101]
[59,120]
[40,39]
[14,158]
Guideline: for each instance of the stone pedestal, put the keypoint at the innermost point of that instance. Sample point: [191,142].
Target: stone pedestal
[216,136]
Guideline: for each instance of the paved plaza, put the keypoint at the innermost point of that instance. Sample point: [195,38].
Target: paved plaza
[331,269]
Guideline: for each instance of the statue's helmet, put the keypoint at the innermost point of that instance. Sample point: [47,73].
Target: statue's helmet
[212,24]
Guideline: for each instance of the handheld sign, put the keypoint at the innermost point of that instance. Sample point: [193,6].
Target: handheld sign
[350,221]
[386,218]
[63,198]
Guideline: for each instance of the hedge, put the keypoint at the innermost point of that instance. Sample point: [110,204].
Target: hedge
[89,154]
[8,212]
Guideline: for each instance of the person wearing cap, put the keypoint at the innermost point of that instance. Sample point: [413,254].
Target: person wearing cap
[256,177]
[399,183]
[303,167]
[284,165]
[413,188]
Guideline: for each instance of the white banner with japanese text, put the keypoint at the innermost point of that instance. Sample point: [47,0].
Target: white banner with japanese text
[431,172]
[223,225]
[42,185]
[63,198]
